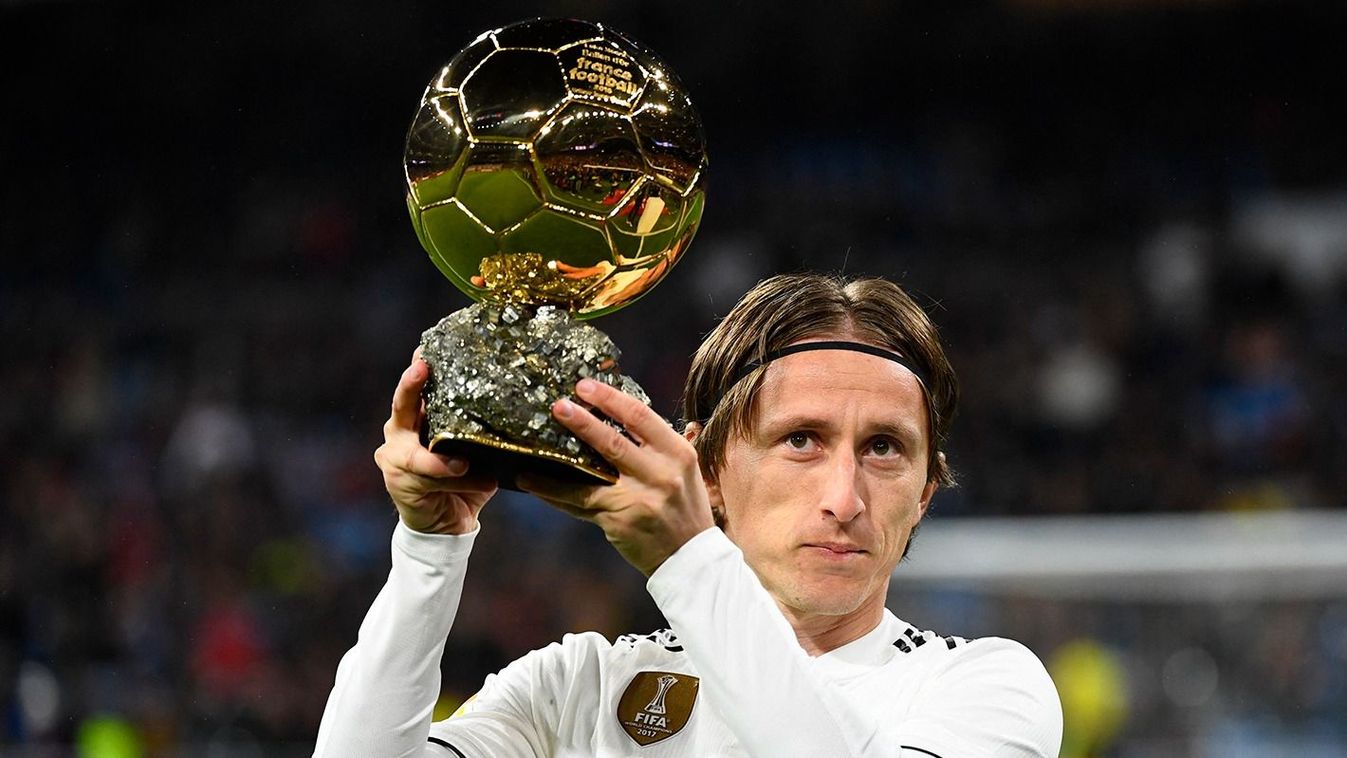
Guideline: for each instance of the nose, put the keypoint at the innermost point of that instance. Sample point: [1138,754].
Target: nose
[843,494]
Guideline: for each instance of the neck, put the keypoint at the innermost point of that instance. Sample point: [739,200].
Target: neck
[819,633]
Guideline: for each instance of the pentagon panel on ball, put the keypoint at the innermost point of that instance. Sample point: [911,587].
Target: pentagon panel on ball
[499,184]
[511,93]
[548,33]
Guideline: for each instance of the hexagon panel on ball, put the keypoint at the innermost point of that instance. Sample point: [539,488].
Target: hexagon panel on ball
[455,241]
[576,242]
[589,158]
[436,146]
[670,133]
[462,65]
[603,71]
[647,223]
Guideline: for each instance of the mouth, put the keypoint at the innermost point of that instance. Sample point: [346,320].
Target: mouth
[834,550]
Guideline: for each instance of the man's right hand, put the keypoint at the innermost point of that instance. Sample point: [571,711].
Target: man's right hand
[433,493]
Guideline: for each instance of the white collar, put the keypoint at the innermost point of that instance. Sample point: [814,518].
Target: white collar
[871,649]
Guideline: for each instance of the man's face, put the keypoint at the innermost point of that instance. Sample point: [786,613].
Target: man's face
[823,494]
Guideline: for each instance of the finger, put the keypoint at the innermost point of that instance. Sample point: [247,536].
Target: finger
[467,483]
[421,461]
[581,513]
[610,443]
[637,417]
[407,397]
[415,459]
[553,491]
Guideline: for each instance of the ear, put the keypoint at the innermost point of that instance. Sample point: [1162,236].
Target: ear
[690,433]
[928,491]
[691,430]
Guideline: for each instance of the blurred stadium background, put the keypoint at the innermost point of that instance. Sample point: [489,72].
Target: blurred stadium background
[1129,218]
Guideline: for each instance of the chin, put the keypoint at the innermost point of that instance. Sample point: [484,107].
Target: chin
[828,600]
[831,607]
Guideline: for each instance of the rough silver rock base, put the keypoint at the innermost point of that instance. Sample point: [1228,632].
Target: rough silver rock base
[495,371]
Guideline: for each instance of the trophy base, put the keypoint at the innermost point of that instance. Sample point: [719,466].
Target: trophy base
[495,370]
[505,461]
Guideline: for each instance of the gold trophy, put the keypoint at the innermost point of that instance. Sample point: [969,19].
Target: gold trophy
[554,173]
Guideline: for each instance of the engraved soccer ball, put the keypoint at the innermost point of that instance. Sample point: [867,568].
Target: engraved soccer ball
[555,161]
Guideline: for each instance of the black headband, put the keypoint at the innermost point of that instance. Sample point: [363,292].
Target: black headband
[859,347]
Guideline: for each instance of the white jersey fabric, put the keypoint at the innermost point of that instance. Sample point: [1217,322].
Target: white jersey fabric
[729,680]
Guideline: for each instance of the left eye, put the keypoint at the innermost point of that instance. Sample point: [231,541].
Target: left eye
[883,446]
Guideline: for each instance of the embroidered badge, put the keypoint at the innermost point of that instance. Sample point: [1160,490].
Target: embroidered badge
[656,705]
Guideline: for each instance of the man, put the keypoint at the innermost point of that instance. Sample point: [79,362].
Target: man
[817,410]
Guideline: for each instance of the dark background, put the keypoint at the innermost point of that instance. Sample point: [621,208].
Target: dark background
[1128,218]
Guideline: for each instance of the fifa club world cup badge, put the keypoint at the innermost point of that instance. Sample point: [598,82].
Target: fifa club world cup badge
[656,705]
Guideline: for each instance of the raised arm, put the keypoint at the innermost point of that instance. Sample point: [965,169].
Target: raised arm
[387,685]
[433,493]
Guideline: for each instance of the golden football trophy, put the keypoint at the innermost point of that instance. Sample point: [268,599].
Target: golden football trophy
[554,173]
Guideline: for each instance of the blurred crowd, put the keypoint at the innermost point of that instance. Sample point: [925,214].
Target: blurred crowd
[199,360]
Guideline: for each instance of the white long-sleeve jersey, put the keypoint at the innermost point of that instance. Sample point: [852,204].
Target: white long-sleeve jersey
[730,679]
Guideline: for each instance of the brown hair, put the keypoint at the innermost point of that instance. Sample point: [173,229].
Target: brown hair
[785,309]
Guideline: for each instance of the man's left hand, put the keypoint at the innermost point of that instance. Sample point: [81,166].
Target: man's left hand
[659,501]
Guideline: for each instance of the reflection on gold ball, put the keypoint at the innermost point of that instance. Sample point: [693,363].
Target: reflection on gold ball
[555,161]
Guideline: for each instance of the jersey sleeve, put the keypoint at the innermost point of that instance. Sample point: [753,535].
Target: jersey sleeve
[991,696]
[769,693]
[529,706]
[387,685]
